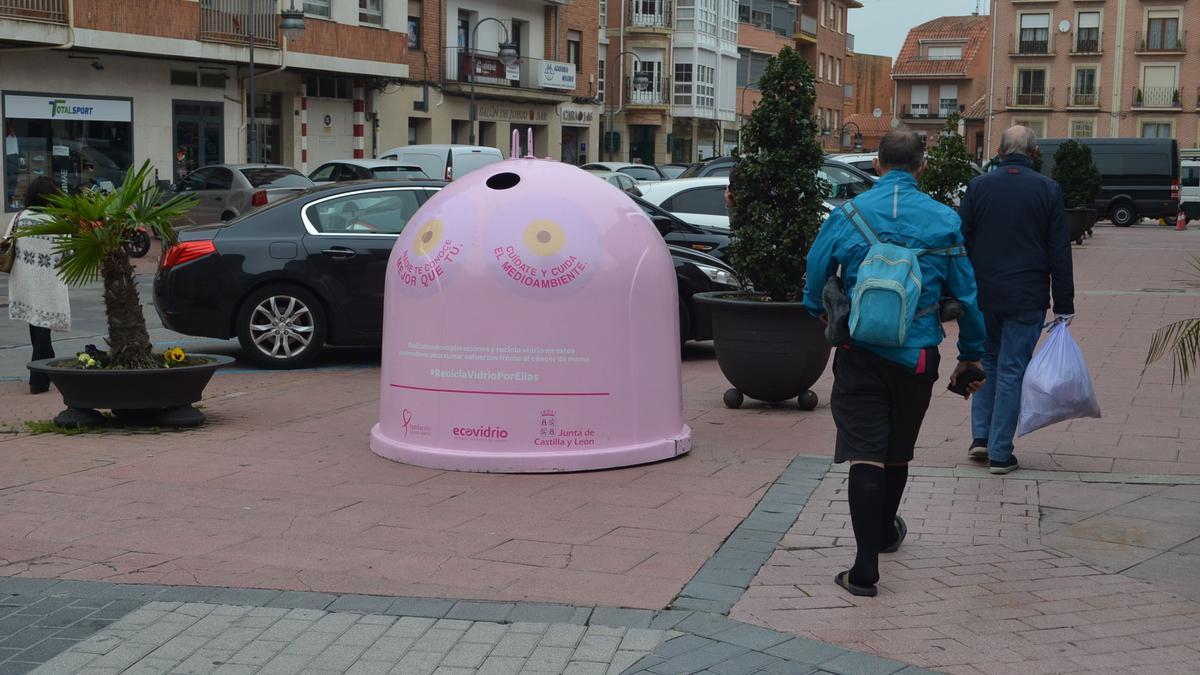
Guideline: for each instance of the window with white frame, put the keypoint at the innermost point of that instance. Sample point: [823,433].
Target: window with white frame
[1037,124]
[1084,91]
[601,78]
[1031,86]
[706,11]
[706,91]
[1157,130]
[919,102]
[944,53]
[1087,39]
[370,12]
[1159,87]
[729,21]
[604,13]
[820,66]
[1035,34]
[685,16]
[1082,129]
[1162,30]
[838,74]
[682,84]
[947,100]
[317,8]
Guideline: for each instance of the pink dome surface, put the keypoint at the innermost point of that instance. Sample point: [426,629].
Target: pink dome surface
[531,324]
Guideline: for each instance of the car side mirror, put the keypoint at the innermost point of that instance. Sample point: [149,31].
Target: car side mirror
[665,225]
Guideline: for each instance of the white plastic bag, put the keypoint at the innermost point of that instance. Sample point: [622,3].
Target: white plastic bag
[1057,385]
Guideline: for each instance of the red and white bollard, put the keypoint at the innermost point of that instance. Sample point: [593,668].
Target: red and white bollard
[1181,220]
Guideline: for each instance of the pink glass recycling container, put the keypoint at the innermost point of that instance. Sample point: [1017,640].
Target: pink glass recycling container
[531,324]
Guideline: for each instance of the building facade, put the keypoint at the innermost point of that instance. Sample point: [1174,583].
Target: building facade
[91,87]
[942,71]
[828,47]
[1097,68]
[554,89]
[871,77]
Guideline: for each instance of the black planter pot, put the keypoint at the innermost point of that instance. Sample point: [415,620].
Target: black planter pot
[1079,221]
[769,351]
[148,397]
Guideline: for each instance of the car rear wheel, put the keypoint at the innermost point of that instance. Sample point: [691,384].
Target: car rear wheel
[1122,215]
[281,327]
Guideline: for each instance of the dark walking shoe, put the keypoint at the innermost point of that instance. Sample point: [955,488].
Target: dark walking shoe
[978,449]
[843,580]
[1001,468]
[901,533]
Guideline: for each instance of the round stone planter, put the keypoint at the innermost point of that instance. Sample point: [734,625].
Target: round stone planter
[147,397]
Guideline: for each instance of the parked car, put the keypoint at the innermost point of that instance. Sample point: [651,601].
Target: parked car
[306,272]
[699,201]
[342,170]
[1141,176]
[643,173]
[672,171]
[226,191]
[621,181]
[1189,183]
[845,181]
[446,162]
[863,161]
[676,231]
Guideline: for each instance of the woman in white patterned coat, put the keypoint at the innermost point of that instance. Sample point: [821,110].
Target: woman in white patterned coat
[36,294]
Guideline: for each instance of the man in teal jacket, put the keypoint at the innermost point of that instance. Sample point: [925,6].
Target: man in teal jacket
[881,394]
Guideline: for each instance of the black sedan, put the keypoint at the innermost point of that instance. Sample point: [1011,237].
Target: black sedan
[309,271]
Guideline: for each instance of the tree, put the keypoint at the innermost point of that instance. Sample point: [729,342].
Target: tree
[777,193]
[948,167]
[1077,175]
[92,226]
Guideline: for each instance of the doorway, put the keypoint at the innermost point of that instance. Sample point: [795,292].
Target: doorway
[570,145]
[641,144]
[199,136]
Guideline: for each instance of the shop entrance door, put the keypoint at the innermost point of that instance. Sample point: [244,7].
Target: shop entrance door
[199,136]
[641,144]
[570,145]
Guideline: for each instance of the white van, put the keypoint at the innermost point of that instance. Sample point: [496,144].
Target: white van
[1189,182]
[445,161]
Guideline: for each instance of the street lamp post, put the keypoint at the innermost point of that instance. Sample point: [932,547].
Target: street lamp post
[293,27]
[858,136]
[507,54]
[640,83]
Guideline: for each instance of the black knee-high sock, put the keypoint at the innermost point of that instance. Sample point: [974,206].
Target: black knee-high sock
[895,477]
[866,496]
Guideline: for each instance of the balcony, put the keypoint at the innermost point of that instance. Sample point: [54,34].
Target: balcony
[529,79]
[1031,98]
[657,95]
[921,111]
[1032,46]
[1083,99]
[1157,43]
[226,21]
[1156,98]
[650,14]
[807,28]
[1087,42]
[849,42]
[48,11]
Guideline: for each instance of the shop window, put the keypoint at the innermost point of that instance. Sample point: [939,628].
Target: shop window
[77,142]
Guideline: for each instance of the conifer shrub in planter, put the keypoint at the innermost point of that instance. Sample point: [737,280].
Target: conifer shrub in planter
[948,165]
[767,344]
[1081,183]
[128,378]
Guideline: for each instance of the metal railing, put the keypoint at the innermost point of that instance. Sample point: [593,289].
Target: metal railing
[526,73]
[650,14]
[808,25]
[228,21]
[915,111]
[655,94]
[1030,98]
[1027,45]
[1087,42]
[1089,98]
[1161,42]
[50,11]
[1156,97]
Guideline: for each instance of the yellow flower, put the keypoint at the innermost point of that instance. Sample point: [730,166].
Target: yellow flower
[174,355]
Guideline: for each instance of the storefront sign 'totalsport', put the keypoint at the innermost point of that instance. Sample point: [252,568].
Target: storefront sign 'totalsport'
[50,107]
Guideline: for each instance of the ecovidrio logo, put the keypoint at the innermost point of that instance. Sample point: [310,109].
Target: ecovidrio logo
[59,106]
[487,433]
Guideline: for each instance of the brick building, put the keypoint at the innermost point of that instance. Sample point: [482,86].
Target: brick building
[942,70]
[1103,68]
[90,87]
[871,78]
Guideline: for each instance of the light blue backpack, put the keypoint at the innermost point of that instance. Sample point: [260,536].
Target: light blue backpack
[885,298]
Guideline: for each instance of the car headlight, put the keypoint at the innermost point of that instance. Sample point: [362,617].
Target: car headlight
[720,276]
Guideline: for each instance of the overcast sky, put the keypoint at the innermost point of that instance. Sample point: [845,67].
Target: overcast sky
[881,25]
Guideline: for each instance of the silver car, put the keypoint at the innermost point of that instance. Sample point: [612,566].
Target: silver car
[226,191]
[341,170]
[621,181]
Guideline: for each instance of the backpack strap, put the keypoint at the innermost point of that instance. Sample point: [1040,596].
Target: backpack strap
[948,251]
[860,223]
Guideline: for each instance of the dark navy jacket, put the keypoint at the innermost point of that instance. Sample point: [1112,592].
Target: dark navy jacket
[1015,229]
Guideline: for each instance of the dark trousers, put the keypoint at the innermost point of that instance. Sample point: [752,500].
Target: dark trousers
[43,348]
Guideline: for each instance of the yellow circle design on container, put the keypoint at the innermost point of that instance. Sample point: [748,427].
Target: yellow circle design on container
[428,238]
[544,237]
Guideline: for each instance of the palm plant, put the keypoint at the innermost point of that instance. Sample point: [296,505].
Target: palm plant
[1181,340]
[92,226]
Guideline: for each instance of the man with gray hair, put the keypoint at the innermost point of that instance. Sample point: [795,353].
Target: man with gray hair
[1013,222]
[882,388]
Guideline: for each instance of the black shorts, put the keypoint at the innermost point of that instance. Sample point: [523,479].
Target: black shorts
[878,406]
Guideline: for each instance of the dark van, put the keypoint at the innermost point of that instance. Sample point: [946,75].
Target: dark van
[1141,176]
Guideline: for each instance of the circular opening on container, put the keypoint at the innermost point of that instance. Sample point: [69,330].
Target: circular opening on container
[503,181]
[543,237]
[427,237]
